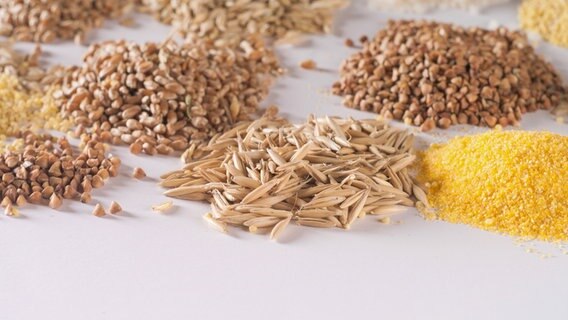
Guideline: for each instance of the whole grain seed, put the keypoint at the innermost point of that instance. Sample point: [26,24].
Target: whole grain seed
[115,208]
[308,64]
[99,211]
[431,74]
[138,173]
[511,182]
[160,97]
[163,207]
[271,172]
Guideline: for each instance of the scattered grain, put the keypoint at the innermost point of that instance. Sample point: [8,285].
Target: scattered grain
[163,207]
[115,208]
[138,173]
[99,211]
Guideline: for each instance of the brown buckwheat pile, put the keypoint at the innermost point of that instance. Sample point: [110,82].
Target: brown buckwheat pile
[157,97]
[433,74]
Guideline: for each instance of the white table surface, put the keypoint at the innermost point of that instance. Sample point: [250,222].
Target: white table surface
[69,264]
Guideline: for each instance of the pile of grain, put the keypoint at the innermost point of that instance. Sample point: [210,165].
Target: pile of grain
[324,173]
[159,97]
[230,20]
[47,20]
[512,182]
[549,18]
[434,74]
[46,170]
[427,5]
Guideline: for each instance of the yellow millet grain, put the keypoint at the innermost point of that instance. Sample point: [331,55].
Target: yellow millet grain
[21,109]
[511,182]
[549,18]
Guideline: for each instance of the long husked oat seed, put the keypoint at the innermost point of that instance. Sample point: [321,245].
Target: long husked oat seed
[158,98]
[48,20]
[229,21]
[433,74]
[327,172]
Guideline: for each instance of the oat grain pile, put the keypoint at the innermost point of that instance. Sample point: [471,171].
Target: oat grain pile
[48,20]
[327,172]
[46,170]
[433,74]
[511,182]
[228,21]
[159,97]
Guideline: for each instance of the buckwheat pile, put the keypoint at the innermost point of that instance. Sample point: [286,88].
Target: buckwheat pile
[46,170]
[326,172]
[48,20]
[228,21]
[433,74]
[158,97]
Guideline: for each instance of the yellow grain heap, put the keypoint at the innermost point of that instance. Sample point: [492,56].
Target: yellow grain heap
[549,18]
[21,109]
[512,182]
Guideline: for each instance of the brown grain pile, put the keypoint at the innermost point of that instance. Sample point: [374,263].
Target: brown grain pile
[231,20]
[433,74]
[45,170]
[47,20]
[324,173]
[159,97]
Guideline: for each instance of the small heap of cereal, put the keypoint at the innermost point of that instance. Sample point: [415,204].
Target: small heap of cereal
[549,18]
[432,74]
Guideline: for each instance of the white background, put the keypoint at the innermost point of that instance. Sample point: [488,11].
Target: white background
[69,264]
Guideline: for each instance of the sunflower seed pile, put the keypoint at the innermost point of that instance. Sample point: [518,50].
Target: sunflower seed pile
[157,97]
[48,20]
[324,173]
[228,21]
[436,75]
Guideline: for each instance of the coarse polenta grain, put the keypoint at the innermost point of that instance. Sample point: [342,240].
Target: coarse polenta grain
[511,182]
[22,109]
[549,18]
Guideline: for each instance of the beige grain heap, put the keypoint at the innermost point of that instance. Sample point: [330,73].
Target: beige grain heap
[159,97]
[45,170]
[436,75]
[230,20]
[324,173]
[47,20]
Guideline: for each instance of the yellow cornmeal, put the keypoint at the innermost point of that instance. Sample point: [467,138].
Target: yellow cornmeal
[511,182]
[21,110]
[549,18]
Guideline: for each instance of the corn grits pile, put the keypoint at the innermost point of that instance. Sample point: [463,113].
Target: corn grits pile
[549,18]
[327,172]
[511,182]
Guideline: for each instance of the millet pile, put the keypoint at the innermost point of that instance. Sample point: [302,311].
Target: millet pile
[45,170]
[323,173]
[512,182]
[159,97]
[547,17]
[433,74]
[48,20]
[228,21]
